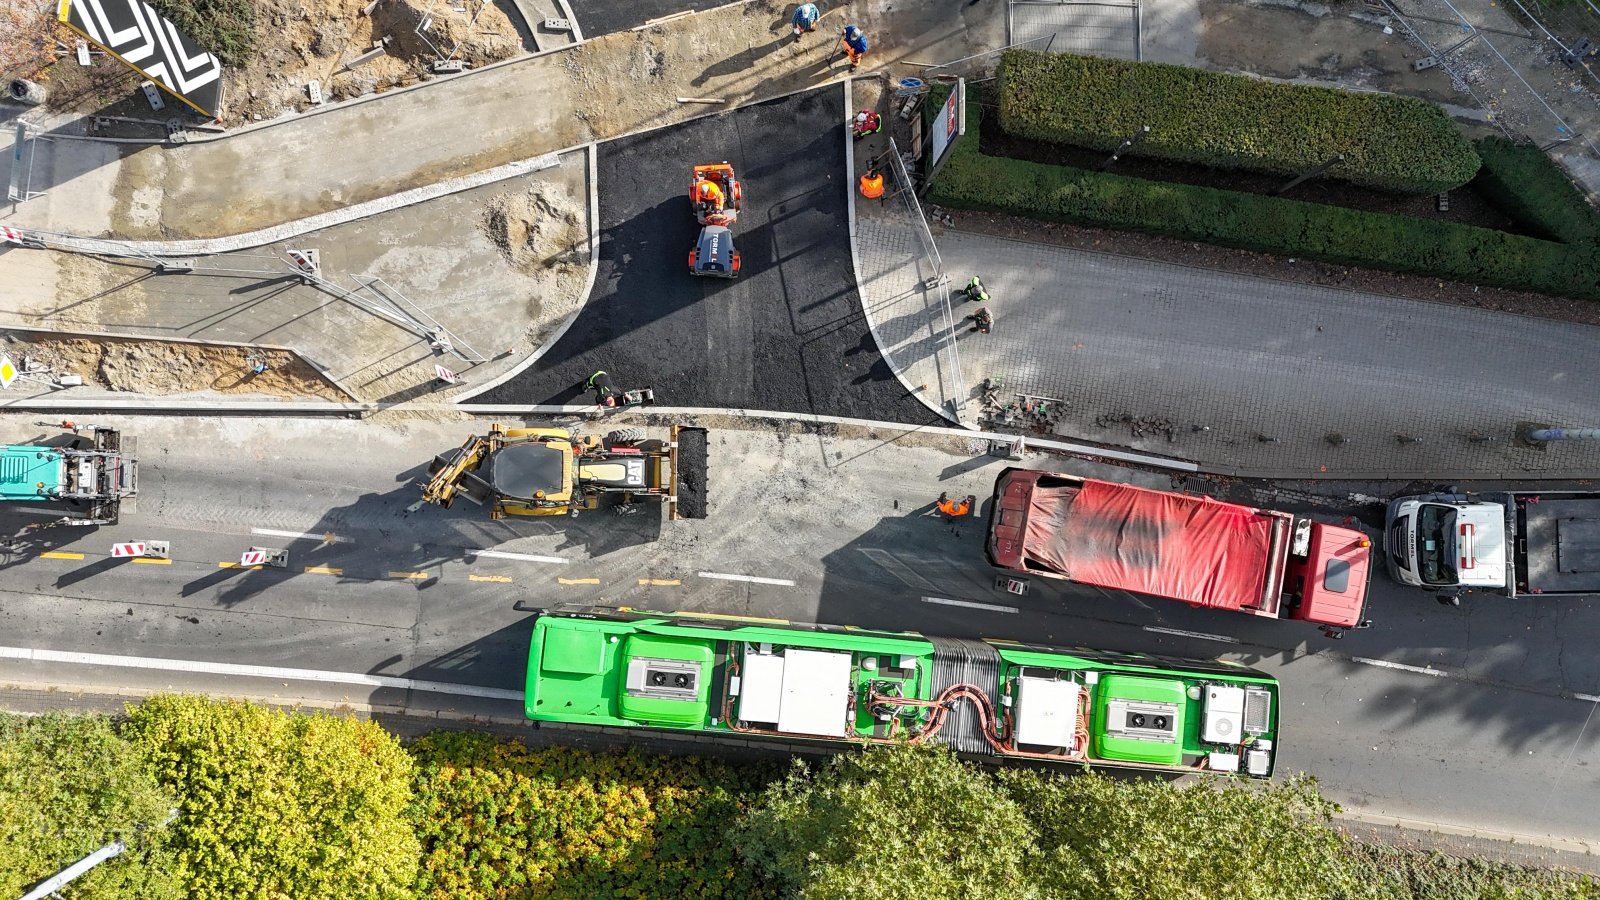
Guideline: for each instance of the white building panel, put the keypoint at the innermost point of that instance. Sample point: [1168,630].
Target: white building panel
[761,689]
[816,693]
[1047,712]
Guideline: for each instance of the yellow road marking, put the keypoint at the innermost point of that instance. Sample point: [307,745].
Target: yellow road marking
[234,565]
[659,582]
[323,570]
[60,554]
[497,579]
[152,561]
[581,581]
[412,576]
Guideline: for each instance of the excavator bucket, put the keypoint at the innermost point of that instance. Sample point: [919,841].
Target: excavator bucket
[687,463]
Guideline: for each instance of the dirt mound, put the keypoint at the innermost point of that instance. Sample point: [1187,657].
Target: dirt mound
[449,34]
[537,231]
[173,367]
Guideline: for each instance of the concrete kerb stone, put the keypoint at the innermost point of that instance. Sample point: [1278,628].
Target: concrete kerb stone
[136,339]
[593,152]
[566,12]
[855,265]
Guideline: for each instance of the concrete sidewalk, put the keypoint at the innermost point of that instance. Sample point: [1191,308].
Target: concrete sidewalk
[501,266]
[1244,375]
[617,84]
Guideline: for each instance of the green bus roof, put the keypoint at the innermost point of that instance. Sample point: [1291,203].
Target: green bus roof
[29,473]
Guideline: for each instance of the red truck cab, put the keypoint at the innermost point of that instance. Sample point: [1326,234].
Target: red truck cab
[1182,547]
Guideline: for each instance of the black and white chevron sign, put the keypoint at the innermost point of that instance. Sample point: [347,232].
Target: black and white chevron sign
[140,37]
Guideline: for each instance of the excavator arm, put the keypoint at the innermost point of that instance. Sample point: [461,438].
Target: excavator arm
[447,473]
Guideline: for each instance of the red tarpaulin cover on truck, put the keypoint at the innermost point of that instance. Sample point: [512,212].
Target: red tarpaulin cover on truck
[1192,549]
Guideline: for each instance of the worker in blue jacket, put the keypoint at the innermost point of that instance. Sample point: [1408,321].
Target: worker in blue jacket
[855,45]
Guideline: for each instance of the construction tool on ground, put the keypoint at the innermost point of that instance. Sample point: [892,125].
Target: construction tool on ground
[715,195]
[551,472]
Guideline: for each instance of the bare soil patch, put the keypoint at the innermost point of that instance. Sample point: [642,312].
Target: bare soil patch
[171,367]
[537,231]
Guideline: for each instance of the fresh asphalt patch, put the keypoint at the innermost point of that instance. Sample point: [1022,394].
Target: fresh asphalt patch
[787,335]
[597,17]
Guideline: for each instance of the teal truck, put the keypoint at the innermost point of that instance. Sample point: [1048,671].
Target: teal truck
[88,474]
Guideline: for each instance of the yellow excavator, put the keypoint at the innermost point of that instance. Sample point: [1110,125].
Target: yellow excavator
[551,472]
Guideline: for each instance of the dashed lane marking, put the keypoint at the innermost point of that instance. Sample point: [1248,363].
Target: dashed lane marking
[1385,664]
[1200,635]
[323,570]
[525,557]
[152,561]
[327,537]
[60,554]
[410,576]
[280,673]
[234,565]
[497,579]
[581,581]
[658,582]
[721,576]
[969,604]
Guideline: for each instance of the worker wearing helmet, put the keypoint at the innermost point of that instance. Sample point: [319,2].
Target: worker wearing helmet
[974,291]
[804,19]
[955,509]
[707,195]
[855,45]
[871,184]
[866,122]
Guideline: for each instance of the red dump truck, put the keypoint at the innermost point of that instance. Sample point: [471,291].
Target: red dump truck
[1181,547]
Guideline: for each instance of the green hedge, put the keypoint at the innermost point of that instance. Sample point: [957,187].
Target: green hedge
[970,180]
[1523,181]
[497,819]
[1389,142]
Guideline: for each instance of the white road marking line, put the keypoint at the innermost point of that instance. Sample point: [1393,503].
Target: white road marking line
[327,538]
[525,557]
[1589,697]
[1385,664]
[781,582]
[29,511]
[1190,634]
[278,672]
[992,607]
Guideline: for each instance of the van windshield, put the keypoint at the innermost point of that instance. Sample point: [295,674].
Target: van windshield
[1436,544]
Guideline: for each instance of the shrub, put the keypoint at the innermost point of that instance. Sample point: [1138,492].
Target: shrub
[69,786]
[971,180]
[226,28]
[1522,180]
[1105,839]
[276,804]
[497,819]
[1396,873]
[895,821]
[1389,142]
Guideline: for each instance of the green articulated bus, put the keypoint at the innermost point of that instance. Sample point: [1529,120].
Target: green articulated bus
[769,678]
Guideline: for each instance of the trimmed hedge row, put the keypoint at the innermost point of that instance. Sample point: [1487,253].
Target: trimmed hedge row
[1523,181]
[1390,143]
[970,180]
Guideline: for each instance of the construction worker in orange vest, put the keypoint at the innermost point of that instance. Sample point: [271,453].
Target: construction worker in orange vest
[707,195]
[955,509]
[872,184]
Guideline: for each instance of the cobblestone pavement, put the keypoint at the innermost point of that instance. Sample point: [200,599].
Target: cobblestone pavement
[1244,375]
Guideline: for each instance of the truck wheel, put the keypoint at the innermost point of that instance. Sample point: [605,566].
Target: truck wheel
[631,435]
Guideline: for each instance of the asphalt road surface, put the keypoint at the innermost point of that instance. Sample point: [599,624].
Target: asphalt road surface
[787,335]
[597,17]
[1479,716]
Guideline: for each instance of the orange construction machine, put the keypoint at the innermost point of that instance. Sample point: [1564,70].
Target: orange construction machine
[715,196]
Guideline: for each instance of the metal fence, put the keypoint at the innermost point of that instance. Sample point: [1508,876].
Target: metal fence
[1092,27]
[906,189]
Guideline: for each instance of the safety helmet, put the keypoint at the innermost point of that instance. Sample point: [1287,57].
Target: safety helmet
[861,116]
[850,31]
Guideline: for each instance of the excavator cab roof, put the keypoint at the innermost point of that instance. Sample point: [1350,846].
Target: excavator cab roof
[523,471]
